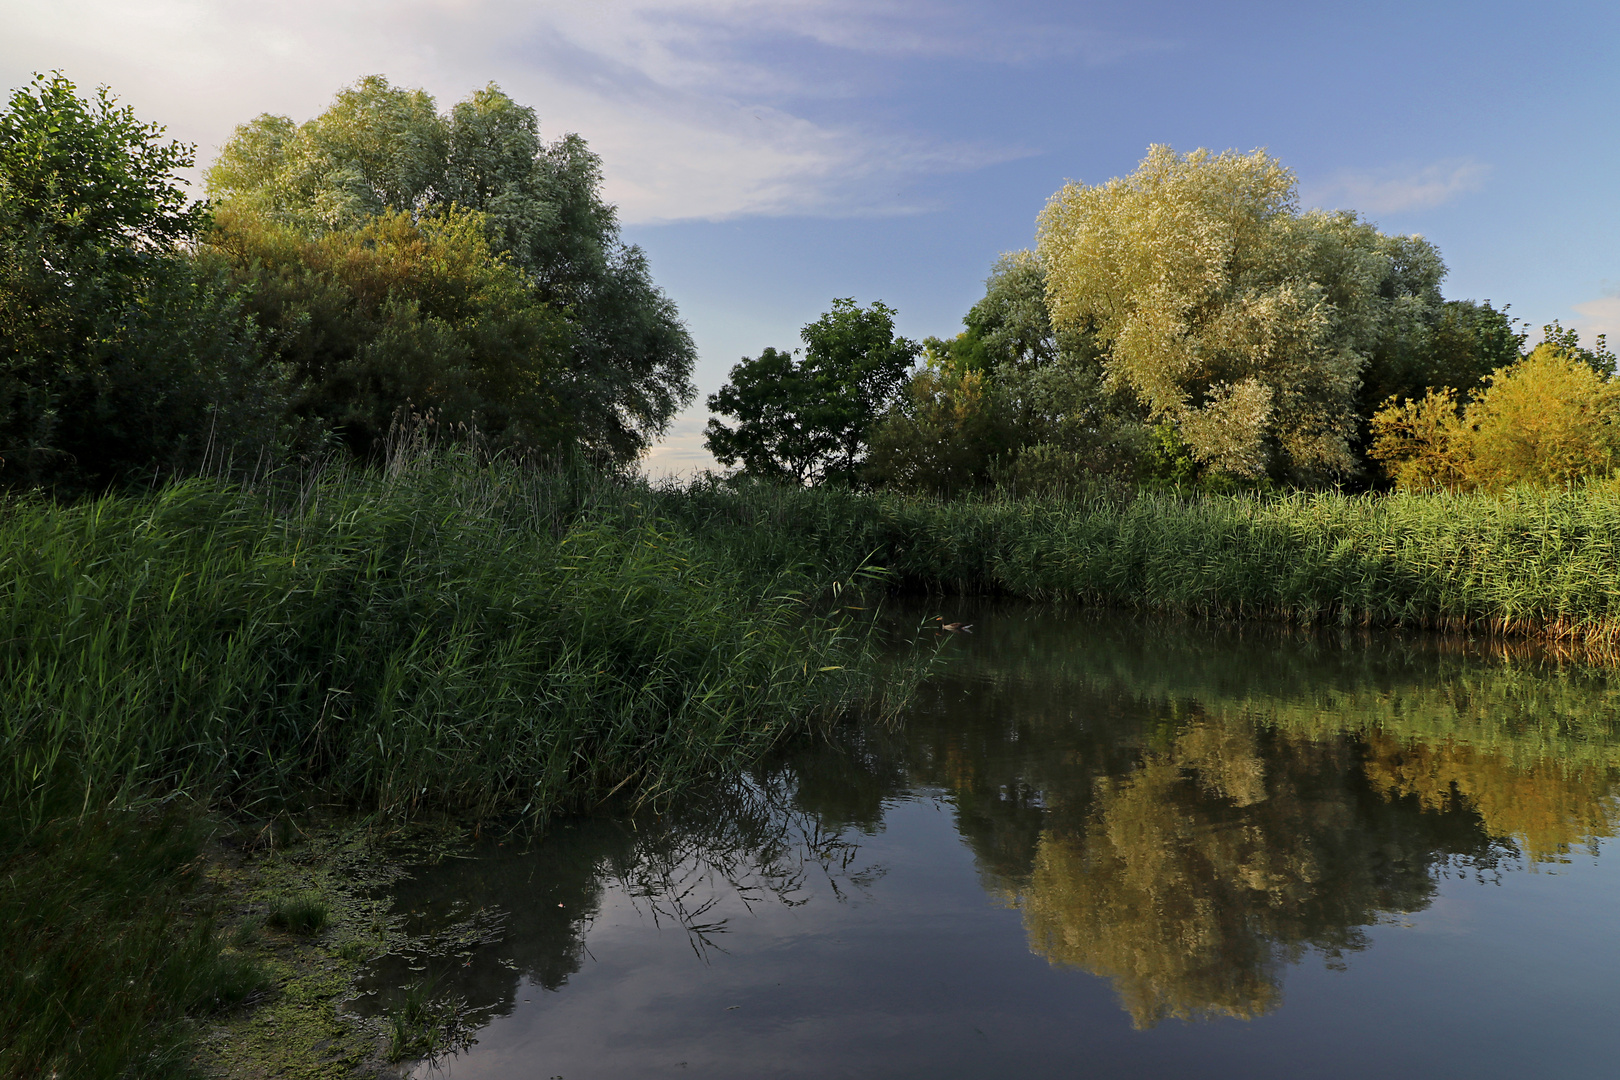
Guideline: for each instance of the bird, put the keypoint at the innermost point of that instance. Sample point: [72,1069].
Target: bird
[953,627]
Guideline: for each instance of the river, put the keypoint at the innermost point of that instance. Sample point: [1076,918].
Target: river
[1093,846]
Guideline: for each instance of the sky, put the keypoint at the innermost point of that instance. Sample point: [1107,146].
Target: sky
[770,156]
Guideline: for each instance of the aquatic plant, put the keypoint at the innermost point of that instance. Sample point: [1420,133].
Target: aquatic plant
[468,636]
[1527,562]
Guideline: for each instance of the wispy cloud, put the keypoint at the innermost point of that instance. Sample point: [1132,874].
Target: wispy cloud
[1393,190]
[1600,316]
[701,108]
[681,454]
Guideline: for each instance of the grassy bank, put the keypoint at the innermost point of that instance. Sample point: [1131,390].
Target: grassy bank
[1528,563]
[474,638]
[452,634]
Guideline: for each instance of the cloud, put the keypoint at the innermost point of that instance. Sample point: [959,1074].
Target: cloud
[701,109]
[680,454]
[1600,316]
[1389,191]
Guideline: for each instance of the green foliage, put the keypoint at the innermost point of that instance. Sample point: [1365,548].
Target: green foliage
[402,313]
[1600,358]
[770,395]
[1550,419]
[103,951]
[469,637]
[807,421]
[307,914]
[118,355]
[381,149]
[79,173]
[1266,335]
[1526,562]
[424,1025]
[941,436]
[1456,345]
[1009,400]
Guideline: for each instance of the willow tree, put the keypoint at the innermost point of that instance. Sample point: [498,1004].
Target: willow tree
[380,149]
[1242,321]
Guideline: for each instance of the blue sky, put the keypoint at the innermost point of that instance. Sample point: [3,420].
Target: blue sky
[772,156]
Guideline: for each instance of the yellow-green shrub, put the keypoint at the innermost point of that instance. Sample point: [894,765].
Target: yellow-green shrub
[1549,419]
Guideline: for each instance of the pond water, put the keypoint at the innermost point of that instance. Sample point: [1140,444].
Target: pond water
[1094,847]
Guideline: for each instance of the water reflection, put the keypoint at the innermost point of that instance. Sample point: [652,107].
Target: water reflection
[1182,810]
[1212,806]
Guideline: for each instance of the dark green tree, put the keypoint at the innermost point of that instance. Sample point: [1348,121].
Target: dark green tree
[1600,358]
[118,354]
[1455,344]
[1010,399]
[807,420]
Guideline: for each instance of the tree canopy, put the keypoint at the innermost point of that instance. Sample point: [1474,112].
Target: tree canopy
[382,149]
[1551,418]
[807,420]
[117,353]
[1245,323]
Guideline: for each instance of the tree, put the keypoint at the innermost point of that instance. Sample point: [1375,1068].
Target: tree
[1550,419]
[1456,346]
[772,397]
[381,148]
[807,421]
[1010,399]
[1242,322]
[398,314]
[117,353]
[942,435]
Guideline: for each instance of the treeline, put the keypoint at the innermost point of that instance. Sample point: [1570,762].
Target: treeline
[1186,326]
[379,258]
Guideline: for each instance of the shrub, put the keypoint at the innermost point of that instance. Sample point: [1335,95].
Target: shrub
[1549,419]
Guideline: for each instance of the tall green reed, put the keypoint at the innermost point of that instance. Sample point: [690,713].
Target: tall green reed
[452,632]
[1541,563]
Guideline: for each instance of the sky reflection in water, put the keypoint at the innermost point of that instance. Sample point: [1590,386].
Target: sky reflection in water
[1098,848]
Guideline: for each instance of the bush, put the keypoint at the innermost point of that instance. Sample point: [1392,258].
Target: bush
[1549,419]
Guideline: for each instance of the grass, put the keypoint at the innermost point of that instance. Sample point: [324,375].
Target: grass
[450,633]
[307,915]
[1528,563]
[474,638]
[106,946]
[424,1025]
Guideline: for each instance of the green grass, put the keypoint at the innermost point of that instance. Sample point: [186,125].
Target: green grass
[450,634]
[299,914]
[1528,563]
[106,946]
[474,638]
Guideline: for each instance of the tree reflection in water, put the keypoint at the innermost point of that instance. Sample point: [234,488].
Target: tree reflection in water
[1184,810]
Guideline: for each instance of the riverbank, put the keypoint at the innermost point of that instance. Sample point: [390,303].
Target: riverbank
[451,635]
[1526,564]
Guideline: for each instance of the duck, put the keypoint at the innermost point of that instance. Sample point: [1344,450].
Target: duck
[953,627]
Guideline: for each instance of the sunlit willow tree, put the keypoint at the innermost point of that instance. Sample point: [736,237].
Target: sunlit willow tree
[544,325]
[805,420]
[119,356]
[1255,331]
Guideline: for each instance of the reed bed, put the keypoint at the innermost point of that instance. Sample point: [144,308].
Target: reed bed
[1528,563]
[464,635]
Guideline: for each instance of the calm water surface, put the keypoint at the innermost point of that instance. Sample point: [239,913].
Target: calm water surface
[1094,849]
